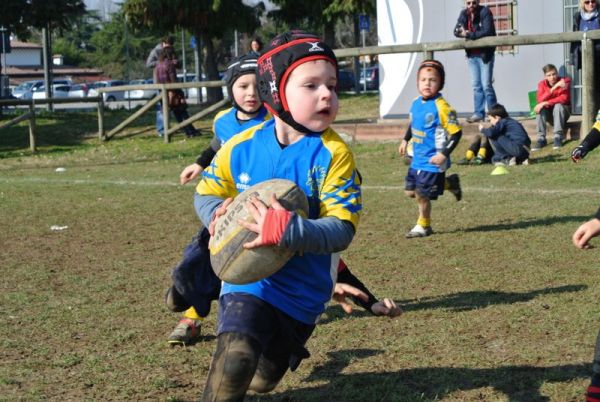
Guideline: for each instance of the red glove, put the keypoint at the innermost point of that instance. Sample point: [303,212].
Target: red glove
[274,225]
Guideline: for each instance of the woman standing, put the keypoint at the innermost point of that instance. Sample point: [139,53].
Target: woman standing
[586,19]
[165,73]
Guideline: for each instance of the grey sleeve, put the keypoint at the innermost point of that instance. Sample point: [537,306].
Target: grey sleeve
[152,58]
[205,206]
[318,236]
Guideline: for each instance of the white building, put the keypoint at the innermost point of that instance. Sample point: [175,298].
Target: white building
[516,71]
[24,54]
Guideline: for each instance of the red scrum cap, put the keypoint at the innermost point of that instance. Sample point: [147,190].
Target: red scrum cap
[281,56]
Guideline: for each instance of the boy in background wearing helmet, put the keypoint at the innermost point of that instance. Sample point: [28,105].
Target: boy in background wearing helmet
[263,326]
[435,132]
[194,283]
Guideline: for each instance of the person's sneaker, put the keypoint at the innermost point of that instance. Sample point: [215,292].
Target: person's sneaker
[174,301]
[557,143]
[512,161]
[186,331]
[419,231]
[474,118]
[464,161]
[539,144]
[454,186]
[478,160]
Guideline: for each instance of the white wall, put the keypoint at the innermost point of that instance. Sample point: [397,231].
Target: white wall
[417,21]
[24,57]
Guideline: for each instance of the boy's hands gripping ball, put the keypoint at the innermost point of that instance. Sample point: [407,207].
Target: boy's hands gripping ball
[230,260]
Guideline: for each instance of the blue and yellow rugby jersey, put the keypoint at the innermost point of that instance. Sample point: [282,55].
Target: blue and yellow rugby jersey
[597,123]
[226,124]
[323,166]
[432,122]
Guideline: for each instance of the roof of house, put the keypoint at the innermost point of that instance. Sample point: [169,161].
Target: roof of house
[17,44]
[19,74]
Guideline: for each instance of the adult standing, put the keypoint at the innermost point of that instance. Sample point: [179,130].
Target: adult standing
[474,22]
[255,47]
[165,73]
[151,62]
[554,106]
[586,19]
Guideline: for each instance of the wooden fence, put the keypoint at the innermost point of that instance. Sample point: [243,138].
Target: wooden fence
[427,49]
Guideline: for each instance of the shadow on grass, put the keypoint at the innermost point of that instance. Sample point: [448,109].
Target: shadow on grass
[549,158]
[456,302]
[551,220]
[517,383]
[474,300]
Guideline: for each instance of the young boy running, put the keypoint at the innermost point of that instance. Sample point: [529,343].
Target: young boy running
[435,132]
[194,279]
[263,326]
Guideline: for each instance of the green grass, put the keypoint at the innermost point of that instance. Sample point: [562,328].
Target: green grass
[499,306]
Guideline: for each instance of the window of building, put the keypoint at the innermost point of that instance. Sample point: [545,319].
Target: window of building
[505,20]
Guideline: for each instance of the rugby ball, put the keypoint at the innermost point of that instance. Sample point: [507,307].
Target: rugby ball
[230,260]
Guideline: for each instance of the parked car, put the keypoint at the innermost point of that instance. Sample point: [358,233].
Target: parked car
[78,91]
[108,96]
[25,90]
[345,80]
[372,77]
[141,93]
[58,91]
[193,92]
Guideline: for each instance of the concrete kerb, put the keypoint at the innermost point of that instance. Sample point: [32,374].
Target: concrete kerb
[393,130]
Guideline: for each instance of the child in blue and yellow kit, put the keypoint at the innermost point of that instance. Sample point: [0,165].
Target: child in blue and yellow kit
[195,285]
[263,326]
[193,277]
[435,132]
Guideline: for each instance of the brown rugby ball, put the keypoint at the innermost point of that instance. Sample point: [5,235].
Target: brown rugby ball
[230,260]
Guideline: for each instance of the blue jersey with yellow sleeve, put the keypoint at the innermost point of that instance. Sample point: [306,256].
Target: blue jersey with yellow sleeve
[323,167]
[226,124]
[597,123]
[433,121]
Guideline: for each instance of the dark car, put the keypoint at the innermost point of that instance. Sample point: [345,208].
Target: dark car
[372,78]
[345,80]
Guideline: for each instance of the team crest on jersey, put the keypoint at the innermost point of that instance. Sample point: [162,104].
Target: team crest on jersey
[452,118]
[429,120]
[243,180]
[315,47]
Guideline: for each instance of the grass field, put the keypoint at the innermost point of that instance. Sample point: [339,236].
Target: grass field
[499,306]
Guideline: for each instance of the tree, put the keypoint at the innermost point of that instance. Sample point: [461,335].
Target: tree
[321,17]
[206,19]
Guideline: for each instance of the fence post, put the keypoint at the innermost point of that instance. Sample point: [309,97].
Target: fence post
[165,113]
[32,128]
[427,54]
[101,136]
[588,106]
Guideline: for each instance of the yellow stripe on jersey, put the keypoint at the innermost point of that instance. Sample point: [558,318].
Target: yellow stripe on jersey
[340,194]
[448,118]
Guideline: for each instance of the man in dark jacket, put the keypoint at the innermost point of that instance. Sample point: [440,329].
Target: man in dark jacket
[476,22]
